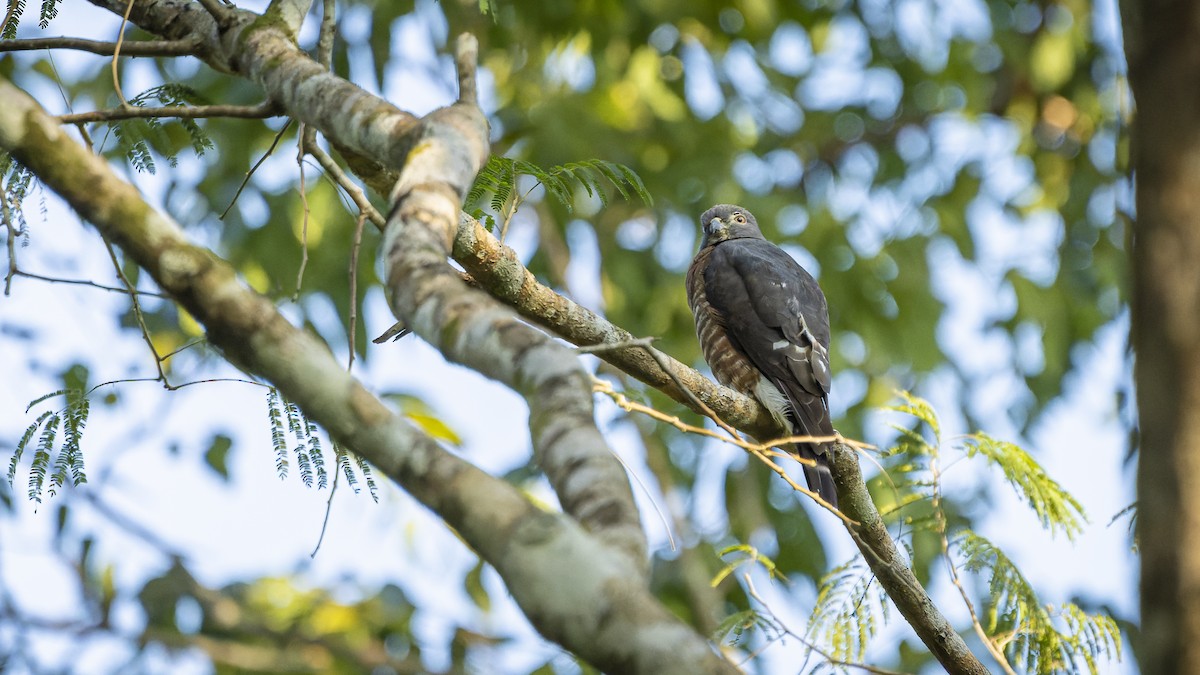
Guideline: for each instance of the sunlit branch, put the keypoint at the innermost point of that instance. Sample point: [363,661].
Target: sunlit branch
[260,111]
[761,451]
[128,48]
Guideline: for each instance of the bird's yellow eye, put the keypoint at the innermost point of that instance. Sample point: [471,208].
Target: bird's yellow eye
[739,218]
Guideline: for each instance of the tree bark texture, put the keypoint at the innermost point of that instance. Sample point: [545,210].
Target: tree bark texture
[580,592]
[1163,49]
[583,587]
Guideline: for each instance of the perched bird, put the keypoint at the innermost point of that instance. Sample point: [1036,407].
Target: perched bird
[764,328]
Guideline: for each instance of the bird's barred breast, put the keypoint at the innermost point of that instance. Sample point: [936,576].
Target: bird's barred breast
[729,365]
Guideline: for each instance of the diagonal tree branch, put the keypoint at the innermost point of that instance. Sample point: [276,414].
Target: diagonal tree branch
[469,327]
[575,589]
[355,121]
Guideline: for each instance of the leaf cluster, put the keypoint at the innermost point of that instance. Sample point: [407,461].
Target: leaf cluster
[287,419]
[1039,638]
[17,8]
[55,463]
[1016,620]
[850,609]
[562,182]
[137,136]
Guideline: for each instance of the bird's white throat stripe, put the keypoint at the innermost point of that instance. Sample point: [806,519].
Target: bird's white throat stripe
[780,344]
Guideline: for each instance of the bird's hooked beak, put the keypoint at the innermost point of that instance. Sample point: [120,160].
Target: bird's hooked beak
[714,226]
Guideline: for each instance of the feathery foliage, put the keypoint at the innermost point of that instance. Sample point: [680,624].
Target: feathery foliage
[1055,507]
[1031,636]
[15,182]
[749,554]
[286,418]
[61,464]
[850,609]
[562,182]
[135,137]
[49,11]
[734,628]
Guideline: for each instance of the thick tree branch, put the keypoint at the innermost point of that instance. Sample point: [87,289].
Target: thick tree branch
[471,328]
[378,137]
[576,589]
[1163,48]
[263,49]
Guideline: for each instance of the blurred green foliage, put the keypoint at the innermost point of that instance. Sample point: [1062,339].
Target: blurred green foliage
[884,143]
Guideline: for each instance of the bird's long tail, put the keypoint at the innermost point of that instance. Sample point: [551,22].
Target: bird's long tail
[819,478]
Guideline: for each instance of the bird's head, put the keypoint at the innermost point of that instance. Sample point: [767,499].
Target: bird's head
[727,221]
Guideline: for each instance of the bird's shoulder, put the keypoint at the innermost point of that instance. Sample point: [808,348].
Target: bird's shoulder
[756,260]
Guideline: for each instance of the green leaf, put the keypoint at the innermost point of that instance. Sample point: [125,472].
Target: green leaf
[1056,508]
[217,455]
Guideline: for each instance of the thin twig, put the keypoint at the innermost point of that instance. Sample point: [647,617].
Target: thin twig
[942,526]
[129,48]
[829,658]
[307,133]
[193,343]
[117,53]
[761,451]
[246,178]
[84,282]
[260,111]
[326,35]
[352,321]
[328,510]
[137,312]
[342,180]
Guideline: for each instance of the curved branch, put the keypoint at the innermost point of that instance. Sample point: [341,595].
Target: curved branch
[353,119]
[598,606]
[473,329]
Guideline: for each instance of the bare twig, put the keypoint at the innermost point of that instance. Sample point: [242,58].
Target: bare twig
[352,321]
[128,48]
[221,13]
[940,517]
[6,216]
[260,111]
[328,510]
[307,134]
[343,181]
[246,179]
[328,29]
[761,451]
[116,77]
[137,312]
[85,282]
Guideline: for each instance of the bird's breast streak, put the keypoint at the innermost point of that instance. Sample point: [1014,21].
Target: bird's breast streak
[730,367]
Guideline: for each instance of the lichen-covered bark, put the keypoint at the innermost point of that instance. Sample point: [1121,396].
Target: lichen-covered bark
[1163,48]
[471,328]
[263,49]
[576,589]
[380,137]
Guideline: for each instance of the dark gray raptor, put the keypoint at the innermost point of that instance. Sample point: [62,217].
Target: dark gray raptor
[764,328]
